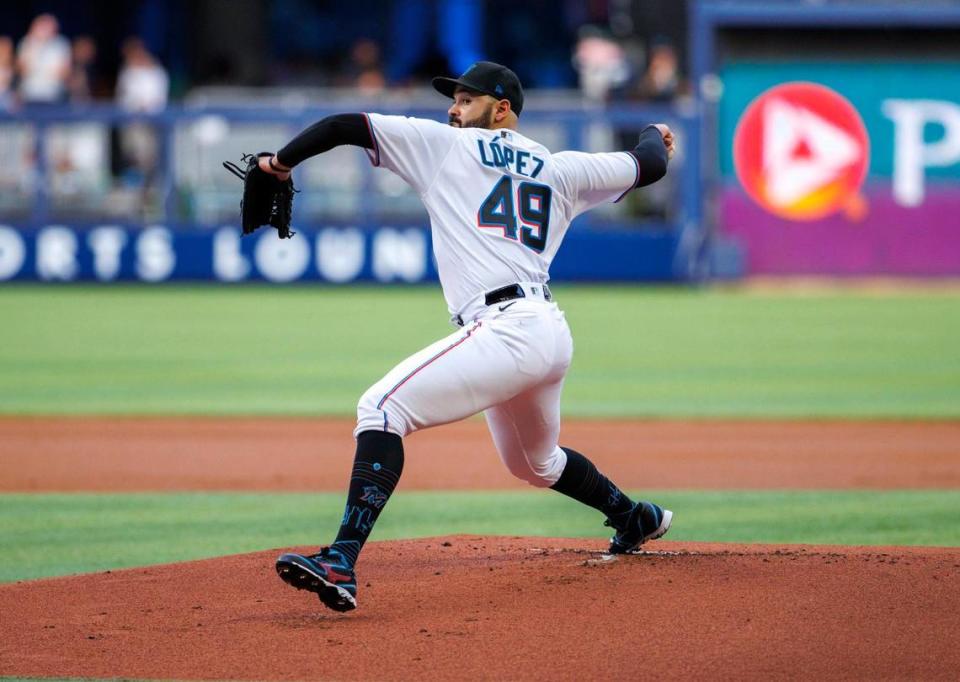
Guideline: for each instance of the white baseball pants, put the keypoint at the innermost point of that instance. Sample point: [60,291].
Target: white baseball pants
[508,362]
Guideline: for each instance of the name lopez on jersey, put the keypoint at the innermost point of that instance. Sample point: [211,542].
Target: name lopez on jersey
[517,161]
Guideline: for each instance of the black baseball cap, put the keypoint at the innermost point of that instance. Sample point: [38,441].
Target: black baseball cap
[487,78]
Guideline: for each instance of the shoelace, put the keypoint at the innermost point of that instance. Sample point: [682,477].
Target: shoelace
[235,169]
[324,554]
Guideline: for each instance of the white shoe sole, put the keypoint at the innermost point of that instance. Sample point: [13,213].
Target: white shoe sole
[663,527]
[658,533]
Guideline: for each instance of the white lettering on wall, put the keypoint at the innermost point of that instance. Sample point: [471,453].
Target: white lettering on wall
[399,254]
[911,155]
[229,263]
[56,253]
[107,243]
[12,252]
[281,260]
[340,254]
[155,255]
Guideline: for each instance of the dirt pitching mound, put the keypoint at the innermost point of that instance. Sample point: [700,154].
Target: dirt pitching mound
[505,608]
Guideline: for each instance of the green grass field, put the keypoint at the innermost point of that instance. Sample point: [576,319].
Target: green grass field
[639,351]
[45,535]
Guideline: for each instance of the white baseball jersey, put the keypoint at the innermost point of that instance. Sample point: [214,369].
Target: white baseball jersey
[499,206]
[499,203]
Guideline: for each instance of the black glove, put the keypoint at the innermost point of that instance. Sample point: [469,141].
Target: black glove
[267,200]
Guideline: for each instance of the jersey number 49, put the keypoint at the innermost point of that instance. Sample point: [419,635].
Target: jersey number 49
[532,208]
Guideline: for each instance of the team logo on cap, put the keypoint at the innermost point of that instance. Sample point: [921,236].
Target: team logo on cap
[498,89]
[801,151]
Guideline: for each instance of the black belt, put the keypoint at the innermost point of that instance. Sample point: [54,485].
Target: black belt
[507,293]
[510,292]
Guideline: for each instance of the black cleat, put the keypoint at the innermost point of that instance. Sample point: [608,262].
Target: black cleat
[646,521]
[325,573]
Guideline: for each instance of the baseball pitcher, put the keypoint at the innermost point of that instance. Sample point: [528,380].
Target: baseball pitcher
[499,206]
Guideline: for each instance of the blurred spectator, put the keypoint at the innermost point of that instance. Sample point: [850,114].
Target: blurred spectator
[6,73]
[142,84]
[365,71]
[661,82]
[80,83]
[600,62]
[43,62]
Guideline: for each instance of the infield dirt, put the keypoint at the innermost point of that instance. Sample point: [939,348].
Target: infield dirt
[152,454]
[493,608]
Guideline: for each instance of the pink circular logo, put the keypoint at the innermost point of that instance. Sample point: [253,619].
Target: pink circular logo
[801,151]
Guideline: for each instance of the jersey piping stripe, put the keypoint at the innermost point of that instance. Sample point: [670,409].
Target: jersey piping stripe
[636,180]
[375,160]
[407,378]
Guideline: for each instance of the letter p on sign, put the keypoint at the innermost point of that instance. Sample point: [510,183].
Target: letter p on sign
[911,155]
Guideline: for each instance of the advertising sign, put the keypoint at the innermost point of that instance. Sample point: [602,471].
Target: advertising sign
[842,168]
[801,151]
[333,255]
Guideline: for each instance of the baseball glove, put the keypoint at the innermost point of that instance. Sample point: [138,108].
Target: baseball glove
[267,200]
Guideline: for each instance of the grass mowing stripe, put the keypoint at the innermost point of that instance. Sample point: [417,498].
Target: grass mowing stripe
[46,535]
[313,350]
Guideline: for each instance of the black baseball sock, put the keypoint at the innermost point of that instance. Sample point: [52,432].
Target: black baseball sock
[581,481]
[376,471]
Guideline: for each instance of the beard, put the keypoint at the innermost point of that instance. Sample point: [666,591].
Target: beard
[484,120]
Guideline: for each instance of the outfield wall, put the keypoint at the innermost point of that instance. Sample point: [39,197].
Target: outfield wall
[335,255]
[905,217]
[72,216]
[833,134]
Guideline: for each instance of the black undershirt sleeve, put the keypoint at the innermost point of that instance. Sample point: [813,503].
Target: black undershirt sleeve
[651,154]
[324,135]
